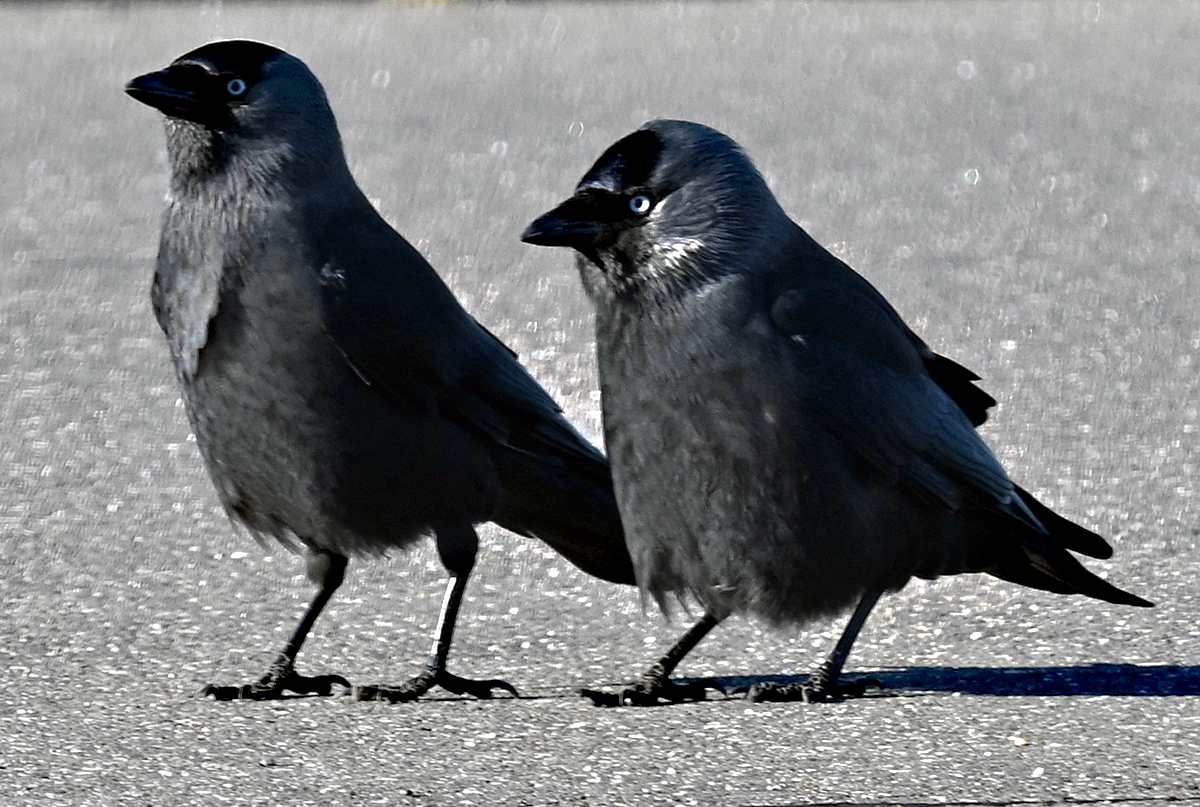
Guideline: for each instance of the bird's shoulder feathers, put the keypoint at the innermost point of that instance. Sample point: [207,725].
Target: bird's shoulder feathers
[810,293]
[873,382]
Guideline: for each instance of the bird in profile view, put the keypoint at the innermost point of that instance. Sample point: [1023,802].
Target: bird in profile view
[342,399]
[782,444]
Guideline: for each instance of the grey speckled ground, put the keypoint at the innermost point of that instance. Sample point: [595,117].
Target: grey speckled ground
[1022,180]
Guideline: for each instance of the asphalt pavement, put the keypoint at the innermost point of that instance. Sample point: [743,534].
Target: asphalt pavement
[1022,180]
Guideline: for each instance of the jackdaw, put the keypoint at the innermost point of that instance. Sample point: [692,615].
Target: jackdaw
[782,444]
[343,400]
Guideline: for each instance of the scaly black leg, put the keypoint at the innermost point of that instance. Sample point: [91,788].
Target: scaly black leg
[655,686]
[457,548]
[824,685]
[328,570]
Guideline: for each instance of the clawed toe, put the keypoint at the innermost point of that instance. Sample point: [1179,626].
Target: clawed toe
[483,690]
[653,692]
[317,685]
[421,684]
[228,693]
[275,683]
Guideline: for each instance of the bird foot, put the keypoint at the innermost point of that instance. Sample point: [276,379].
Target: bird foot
[422,683]
[280,677]
[653,690]
[811,691]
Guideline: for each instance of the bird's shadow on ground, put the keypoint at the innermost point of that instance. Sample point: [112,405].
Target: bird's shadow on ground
[1018,803]
[1090,679]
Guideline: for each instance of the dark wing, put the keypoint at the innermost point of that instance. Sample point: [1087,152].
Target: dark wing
[879,330]
[908,411]
[406,336]
[911,414]
[956,381]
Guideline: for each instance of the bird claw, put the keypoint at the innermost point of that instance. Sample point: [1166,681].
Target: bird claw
[654,692]
[479,689]
[422,683]
[280,678]
[810,691]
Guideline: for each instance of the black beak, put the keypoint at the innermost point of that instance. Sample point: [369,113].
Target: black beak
[576,223]
[156,90]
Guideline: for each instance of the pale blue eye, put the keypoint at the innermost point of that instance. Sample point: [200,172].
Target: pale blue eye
[640,204]
[235,86]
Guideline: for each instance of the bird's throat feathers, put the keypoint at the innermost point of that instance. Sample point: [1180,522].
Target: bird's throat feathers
[226,208]
[207,163]
[660,270]
[664,270]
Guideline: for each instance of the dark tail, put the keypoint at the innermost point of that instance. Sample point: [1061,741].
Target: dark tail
[1042,561]
[1054,569]
[1067,533]
[569,504]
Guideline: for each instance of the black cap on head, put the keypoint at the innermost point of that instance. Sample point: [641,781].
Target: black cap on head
[204,84]
[627,163]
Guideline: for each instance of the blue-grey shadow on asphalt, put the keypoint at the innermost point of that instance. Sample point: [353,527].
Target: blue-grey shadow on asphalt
[1017,803]
[1091,679]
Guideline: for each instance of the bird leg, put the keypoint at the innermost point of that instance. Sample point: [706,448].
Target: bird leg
[328,571]
[823,685]
[457,548]
[655,686]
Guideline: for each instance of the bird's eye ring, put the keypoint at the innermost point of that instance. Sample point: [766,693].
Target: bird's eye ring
[235,86]
[640,204]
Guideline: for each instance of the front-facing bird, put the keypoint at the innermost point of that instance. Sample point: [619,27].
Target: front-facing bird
[781,443]
[341,397]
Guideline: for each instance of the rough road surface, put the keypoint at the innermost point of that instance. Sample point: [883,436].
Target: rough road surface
[1021,180]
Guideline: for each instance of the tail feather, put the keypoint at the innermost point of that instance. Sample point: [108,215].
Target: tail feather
[1065,532]
[568,504]
[1052,568]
